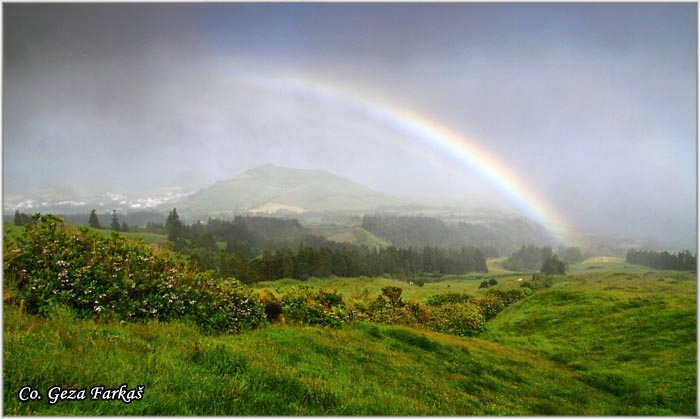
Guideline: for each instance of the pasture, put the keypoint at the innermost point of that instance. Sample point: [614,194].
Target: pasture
[610,343]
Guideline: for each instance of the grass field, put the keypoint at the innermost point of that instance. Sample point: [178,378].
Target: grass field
[362,369]
[607,264]
[373,286]
[598,343]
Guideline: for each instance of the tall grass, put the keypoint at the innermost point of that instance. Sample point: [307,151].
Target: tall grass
[363,369]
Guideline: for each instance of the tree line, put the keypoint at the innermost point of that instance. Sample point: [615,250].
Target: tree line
[260,248]
[346,261]
[495,239]
[681,261]
[531,258]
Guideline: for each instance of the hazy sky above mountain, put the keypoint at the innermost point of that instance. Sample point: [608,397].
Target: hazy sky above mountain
[592,105]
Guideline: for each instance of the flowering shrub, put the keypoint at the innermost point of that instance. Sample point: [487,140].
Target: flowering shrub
[228,306]
[461,319]
[115,278]
[305,305]
[489,305]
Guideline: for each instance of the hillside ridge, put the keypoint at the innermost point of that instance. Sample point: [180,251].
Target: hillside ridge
[272,189]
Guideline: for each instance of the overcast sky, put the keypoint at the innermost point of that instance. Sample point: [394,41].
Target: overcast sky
[593,105]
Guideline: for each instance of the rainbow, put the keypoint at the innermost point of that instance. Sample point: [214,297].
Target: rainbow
[432,133]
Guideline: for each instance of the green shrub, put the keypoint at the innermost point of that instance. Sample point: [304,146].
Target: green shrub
[305,305]
[393,294]
[447,297]
[273,308]
[489,305]
[408,314]
[461,319]
[113,278]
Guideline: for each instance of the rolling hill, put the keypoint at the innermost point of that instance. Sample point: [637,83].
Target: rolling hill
[271,189]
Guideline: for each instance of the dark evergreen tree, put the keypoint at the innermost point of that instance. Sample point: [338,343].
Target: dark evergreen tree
[174,227]
[93,221]
[114,225]
[553,266]
[21,218]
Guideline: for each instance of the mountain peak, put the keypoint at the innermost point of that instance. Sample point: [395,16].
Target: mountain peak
[269,188]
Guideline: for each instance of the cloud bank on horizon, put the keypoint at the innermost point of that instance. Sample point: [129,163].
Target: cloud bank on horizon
[592,105]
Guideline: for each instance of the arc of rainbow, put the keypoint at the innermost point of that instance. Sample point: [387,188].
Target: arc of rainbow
[430,132]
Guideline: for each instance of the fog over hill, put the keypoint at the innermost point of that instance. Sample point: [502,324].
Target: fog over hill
[333,206]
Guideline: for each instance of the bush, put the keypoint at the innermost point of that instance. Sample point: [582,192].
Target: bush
[228,306]
[393,294]
[273,308]
[457,319]
[305,305]
[110,277]
[489,305]
[553,266]
[447,297]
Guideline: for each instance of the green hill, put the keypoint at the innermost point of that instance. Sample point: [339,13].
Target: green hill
[632,336]
[270,189]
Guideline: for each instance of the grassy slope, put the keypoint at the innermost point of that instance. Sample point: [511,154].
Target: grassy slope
[607,264]
[355,287]
[361,369]
[632,336]
[603,344]
[352,234]
[308,189]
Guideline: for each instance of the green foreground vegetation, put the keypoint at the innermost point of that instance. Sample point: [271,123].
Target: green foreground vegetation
[615,341]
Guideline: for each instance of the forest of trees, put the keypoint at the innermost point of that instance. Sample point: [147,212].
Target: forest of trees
[267,248]
[531,258]
[493,239]
[681,261]
[347,261]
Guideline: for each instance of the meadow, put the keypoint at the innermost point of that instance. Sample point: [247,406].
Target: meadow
[608,339]
[589,345]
